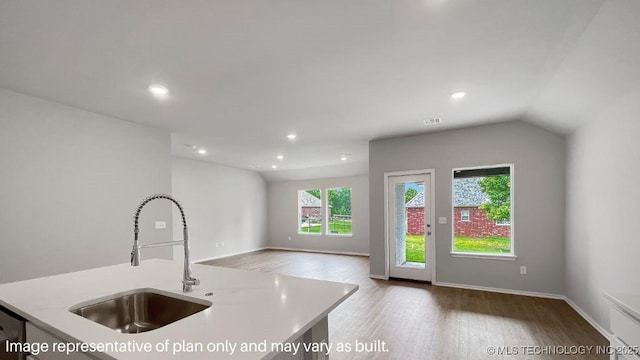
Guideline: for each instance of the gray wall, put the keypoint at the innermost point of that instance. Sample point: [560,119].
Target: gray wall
[222,205]
[69,184]
[283,214]
[603,196]
[539,200]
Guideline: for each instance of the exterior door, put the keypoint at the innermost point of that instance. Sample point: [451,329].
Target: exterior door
[409,226]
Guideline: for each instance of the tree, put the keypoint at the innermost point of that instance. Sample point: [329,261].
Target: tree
[498,188]
[340,201]
[409,194]
[314,192]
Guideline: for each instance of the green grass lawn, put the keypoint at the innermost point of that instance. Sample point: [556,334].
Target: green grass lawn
[313,229]
[415,248]
[335,227]
[340,227]
[488,245]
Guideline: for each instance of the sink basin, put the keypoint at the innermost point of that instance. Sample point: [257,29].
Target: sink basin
[139,310]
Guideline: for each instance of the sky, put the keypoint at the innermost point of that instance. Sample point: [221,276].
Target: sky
[413,185]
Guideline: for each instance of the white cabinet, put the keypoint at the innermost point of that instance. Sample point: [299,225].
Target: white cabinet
[37,335]
[625,326]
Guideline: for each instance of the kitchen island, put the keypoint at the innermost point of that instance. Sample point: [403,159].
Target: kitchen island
[252,315]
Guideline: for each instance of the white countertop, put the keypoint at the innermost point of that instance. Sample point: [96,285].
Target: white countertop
[630,303]
[247,306]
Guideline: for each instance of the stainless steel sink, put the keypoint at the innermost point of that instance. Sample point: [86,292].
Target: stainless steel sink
[139,310]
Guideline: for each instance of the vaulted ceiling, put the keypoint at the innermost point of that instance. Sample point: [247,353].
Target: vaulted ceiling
[243,74]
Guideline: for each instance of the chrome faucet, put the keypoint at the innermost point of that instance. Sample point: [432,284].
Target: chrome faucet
[188,281]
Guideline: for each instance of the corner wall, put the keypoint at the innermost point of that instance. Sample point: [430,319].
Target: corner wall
[283,216]
[603,197]
[539,199]
[70,181]
[224,206]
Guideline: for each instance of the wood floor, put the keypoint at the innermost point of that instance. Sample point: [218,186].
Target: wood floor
[420,321]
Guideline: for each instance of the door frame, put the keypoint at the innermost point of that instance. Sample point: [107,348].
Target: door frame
[432,217]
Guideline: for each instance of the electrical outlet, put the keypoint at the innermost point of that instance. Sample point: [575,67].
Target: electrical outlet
[217,244]
[289,238]
[222,244]
[442,220]
[523,270]
[161,224]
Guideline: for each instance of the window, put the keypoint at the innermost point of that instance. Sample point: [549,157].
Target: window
[310,211]
[339,211]
[482,211]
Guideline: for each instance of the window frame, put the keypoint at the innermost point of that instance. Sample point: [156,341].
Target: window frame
[462,215]
[299,220]
[512,255]
[327,231]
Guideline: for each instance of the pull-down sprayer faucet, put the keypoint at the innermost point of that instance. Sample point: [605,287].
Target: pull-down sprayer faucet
[188,281]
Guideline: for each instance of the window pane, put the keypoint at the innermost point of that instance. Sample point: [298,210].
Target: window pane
[482,211]
[310,211]
[339,211]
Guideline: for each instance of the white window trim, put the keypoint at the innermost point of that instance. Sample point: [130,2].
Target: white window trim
[468,216]
[502,224]
[299,223]
[327,232]
[483,256]
[510,256]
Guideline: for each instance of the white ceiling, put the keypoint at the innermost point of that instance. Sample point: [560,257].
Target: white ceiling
[244,73]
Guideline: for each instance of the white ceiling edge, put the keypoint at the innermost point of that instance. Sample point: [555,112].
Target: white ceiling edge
[348,169]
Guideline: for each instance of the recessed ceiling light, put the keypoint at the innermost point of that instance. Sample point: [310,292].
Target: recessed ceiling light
[274,166]
[344,157]
[158,90]
[280,157]
[202,151]
[458,95]
[192,147]
[292,136]
[253,166]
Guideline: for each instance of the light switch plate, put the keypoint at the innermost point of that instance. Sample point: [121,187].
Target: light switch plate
[442,220]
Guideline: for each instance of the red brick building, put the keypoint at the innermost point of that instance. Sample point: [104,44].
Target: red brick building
[415,215]
[468,219]
[473,222]
[310,206]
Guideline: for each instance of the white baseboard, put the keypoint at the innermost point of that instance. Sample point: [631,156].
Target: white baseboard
[280,248]
[588,318]
[228,255]
[379,277]
[317,251]
[573,305]
[503,291]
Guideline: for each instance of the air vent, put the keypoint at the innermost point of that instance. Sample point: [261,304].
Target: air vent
[432,121]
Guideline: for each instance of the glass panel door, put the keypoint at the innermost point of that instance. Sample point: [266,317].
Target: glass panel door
[409,230]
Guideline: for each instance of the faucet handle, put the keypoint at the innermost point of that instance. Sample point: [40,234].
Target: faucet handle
[191,281]
[135,256]
[188,283]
